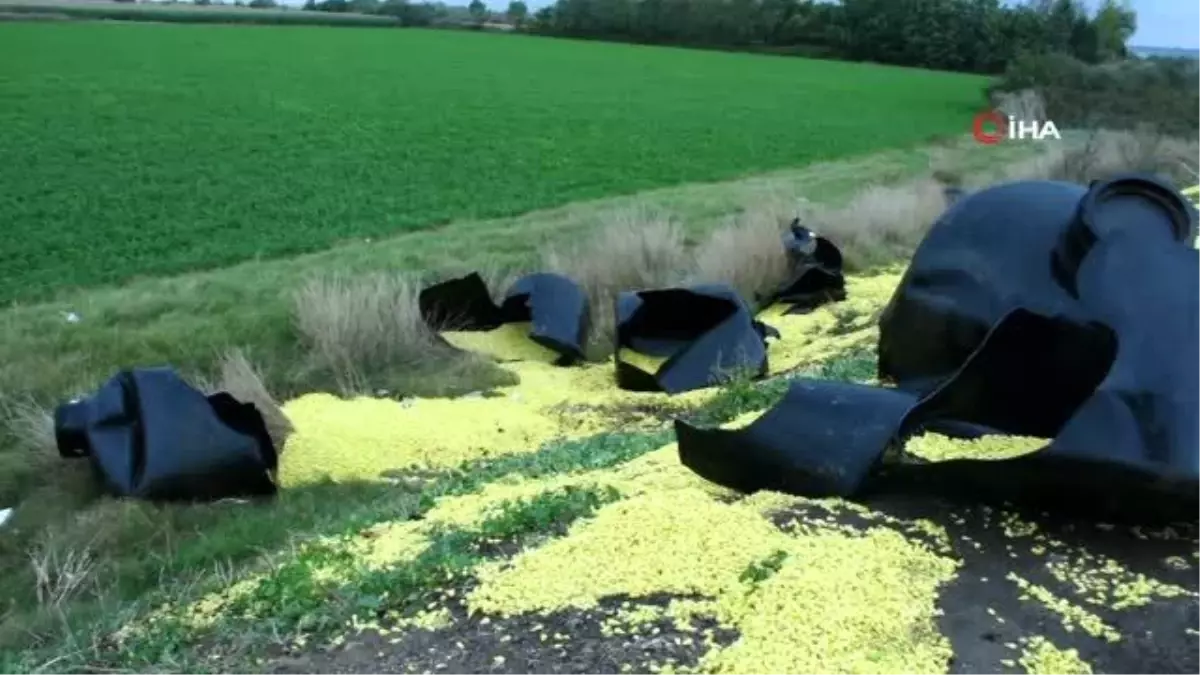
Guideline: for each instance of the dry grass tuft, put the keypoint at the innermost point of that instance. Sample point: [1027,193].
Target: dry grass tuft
[881,224]
[747,254]
[355,327]
[637,249]
[1026,104]
[27,424]
[499,280]
[28,452]
[1104,153]
[242,379]
[60,574]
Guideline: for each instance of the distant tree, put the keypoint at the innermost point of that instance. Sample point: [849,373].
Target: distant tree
[543,19]
[334,6]
[1115,23]
[309,6]
[203,2]
[967,35]
[478,10]
[409,14]
[364,6]
[263,4]
[517,12]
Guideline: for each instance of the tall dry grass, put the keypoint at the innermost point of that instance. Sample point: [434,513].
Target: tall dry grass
[640,249]
[1104,153]
[636,249]
[356,326]
[27,424]
[747,254]
[28,452]
[1025,104]
[881,224]
[241,378]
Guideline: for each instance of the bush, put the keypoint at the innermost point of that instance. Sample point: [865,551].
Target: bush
[1160,94]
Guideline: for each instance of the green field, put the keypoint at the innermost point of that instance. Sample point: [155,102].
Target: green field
[140,150]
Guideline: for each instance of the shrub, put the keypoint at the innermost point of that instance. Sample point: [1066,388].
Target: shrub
[358,327]
[1162,94]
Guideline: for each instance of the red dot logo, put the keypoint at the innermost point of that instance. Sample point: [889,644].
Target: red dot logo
[999,127]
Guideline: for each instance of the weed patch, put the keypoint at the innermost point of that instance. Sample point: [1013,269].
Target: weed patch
[326,585]
[761,570]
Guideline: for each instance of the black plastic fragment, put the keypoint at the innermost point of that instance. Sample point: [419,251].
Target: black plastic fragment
[1034,308]
[953,193]
[839,448]
[555,305]
[706,331]
[460,304]
[151,435]
[815,271]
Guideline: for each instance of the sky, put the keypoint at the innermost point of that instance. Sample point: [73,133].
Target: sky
[1167,23]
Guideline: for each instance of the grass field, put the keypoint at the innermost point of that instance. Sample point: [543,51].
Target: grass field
[133,150]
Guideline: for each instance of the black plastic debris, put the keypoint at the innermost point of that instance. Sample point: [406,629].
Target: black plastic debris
[151,435]
[460,304]
[953,193]
[555,305]
[815,271]
[705,333]
[1040,309]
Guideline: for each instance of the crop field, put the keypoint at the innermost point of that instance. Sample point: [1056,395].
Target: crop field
[135,150]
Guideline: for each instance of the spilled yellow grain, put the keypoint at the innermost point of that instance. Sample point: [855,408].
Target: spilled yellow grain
[830,330]
[838,603]
[509,342]
[434,619]
[939,448]
[679,542]
[1042,657]
[1070,614]
[1104,581]
[841,604]
[629,620]
[365,438]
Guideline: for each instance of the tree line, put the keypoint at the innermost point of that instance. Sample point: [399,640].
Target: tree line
[965,35]
[418,14]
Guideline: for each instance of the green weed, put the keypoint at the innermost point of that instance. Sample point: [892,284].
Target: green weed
[324,587]
[761,570]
